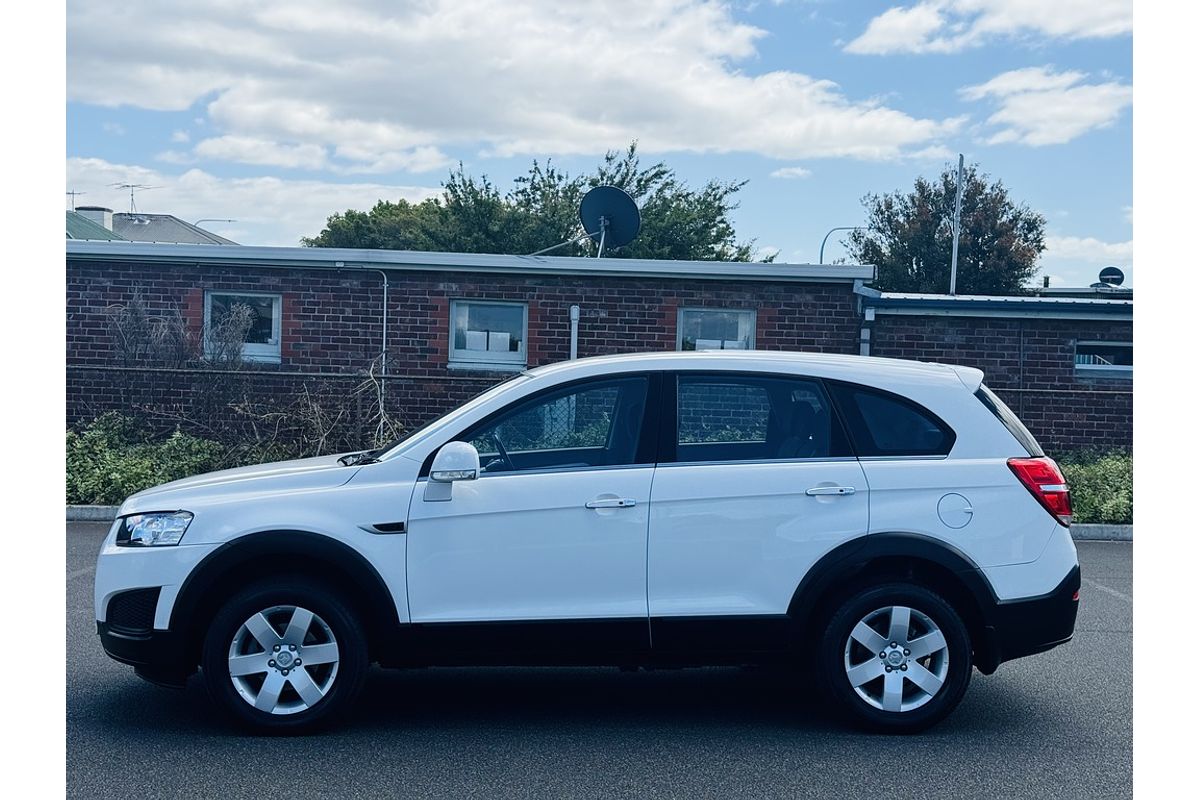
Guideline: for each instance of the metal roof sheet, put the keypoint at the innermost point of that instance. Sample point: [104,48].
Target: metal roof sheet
[350,259]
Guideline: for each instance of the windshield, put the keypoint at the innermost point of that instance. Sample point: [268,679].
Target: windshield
[410,438]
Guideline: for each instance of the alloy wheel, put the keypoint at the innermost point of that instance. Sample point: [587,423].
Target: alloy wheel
[283,660]
[896,658]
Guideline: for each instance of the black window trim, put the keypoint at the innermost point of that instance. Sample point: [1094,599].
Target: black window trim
[669,421]
[647,447]
[850,415]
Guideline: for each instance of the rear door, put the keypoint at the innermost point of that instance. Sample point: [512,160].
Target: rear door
[756,481]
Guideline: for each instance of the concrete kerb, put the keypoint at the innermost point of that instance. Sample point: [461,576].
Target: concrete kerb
[91,513]
[1102,533]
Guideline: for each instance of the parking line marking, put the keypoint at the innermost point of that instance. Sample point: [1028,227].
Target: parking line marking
[1108,590]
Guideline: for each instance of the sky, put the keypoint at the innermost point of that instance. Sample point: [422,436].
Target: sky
[276,114]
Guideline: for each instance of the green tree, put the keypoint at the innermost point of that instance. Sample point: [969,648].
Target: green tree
[909,237]
[472,215]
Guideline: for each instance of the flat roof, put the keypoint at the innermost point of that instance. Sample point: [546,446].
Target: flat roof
[409,260]
[920,303]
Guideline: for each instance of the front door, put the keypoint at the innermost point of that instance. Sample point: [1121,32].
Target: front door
[547,549]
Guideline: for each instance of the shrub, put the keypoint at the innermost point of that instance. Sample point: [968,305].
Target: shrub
[113,457]
[1101,485]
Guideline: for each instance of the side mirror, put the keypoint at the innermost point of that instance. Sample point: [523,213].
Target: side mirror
[456,461]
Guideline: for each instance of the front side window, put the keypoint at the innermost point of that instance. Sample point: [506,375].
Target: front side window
[483,333]
[595,424]
[882,424]
[752,418]
[1114,359]
[714,329]
[242,324]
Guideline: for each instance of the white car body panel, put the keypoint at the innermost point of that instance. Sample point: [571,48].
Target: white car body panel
[734,538]
[523,546]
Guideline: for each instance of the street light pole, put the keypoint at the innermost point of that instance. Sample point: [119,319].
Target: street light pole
[210,219]
[821,258]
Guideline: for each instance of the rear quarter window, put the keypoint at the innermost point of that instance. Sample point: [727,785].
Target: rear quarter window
[883,424]
[1010,420]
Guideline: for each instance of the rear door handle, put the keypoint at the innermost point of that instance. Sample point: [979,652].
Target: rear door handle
[611,502]
[820,490]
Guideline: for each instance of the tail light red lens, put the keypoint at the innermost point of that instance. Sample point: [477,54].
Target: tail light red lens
[1045,481]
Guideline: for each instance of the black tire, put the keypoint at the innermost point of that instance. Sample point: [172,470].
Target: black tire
[341,680]
[953,663]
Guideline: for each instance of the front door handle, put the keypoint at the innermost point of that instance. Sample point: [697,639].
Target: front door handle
[611,502]
[820,490]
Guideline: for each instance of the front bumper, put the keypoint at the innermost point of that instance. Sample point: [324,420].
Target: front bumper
[1017,628]
[157,656]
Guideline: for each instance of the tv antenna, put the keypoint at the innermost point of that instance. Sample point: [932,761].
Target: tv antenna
[73,194]
[609,216]
[133,187]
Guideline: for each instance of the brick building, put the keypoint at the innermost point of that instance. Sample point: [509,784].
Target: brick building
[435,328]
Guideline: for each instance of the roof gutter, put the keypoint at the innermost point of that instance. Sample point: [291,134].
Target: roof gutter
[405,260]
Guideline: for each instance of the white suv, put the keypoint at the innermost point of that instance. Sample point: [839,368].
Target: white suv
[890,523]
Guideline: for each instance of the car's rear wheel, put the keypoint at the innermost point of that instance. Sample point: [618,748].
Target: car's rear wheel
[896,657]
[285,656]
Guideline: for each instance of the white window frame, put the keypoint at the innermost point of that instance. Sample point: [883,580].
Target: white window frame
[490,359]
[271,352]
[1112,370]
[753,313]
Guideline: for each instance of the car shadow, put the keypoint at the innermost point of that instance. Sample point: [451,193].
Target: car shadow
[713,700]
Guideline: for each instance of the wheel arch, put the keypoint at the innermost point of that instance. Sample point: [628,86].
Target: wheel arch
[259,555]
[936,564]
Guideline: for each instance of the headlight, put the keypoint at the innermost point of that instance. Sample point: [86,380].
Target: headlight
[153,530]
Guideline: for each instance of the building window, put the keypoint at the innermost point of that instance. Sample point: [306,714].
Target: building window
[715,329]
[1104,358]
[484,333]
[261,342]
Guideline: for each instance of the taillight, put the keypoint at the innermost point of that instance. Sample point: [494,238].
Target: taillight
[1045,481]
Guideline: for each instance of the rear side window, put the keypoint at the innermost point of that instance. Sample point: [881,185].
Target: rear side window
[753,418]
[884,424]
[1010,420]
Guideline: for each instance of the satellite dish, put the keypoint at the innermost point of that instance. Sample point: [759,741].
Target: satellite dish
[1112,276]
[609,216]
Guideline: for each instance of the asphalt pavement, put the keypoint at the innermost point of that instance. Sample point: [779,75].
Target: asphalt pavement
[1054,725]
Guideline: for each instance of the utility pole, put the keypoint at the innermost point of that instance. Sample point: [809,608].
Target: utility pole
[957,227]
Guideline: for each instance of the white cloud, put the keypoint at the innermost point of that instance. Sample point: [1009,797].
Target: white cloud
[1077,260]
[113,128]
[181,137]
[791,172]
[949,26]
[382,86]
[248,150]
[1038,106]
[269,211]
[1089,250]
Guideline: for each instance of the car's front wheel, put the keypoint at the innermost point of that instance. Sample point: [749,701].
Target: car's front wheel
[896,657]
[285,656]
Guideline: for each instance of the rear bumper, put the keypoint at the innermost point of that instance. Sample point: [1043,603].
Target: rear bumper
[1017,628]
[157,656]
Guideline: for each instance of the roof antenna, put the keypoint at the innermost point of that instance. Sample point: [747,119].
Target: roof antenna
[73,194]
[133,187]
[609,213]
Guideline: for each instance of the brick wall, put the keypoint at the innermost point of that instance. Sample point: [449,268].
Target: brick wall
[1030,363]
[332,329]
